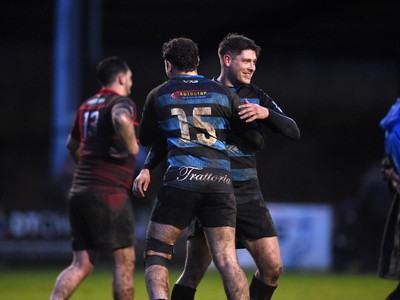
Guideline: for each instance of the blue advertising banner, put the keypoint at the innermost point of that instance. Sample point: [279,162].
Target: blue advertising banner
[305,233]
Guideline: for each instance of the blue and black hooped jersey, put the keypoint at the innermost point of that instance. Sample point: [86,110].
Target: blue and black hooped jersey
[243,157]
[194,114]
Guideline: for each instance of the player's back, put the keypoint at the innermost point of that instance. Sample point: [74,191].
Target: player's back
[103,160]
[95,125]
[194,114]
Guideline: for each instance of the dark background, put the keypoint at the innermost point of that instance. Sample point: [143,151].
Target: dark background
[332,66]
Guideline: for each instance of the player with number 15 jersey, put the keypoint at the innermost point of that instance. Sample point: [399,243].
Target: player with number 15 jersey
[194,114]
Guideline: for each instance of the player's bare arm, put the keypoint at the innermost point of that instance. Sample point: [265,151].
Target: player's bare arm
[141,183]
[123,125]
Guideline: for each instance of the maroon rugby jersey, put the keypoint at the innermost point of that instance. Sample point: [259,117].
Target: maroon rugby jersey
[104,163]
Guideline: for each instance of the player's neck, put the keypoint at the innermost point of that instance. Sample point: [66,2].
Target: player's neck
[182,73]
[223,78]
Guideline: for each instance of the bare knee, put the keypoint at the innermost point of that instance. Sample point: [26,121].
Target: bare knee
[222,261]
[266,254]
[125,257]
[270,273]
[276,271]
[83,262]
[124,260]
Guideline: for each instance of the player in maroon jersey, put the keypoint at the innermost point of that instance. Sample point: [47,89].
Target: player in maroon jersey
[103,143]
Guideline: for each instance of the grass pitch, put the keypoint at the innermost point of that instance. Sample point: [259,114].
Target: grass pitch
[36,284]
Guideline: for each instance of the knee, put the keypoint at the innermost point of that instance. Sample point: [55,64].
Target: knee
[276,271]
[157,253]
[223,261]
[129,265]
[271,273]
[81,270]
[124,259]
[83,267]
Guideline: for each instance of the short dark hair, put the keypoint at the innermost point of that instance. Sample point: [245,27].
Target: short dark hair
[236,43]
[109,68]
[181,52]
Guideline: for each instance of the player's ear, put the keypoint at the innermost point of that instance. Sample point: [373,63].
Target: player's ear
[227,59]
[168,66]
[121,79]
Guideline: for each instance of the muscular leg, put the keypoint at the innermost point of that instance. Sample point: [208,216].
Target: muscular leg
[221,241]
[69,279]
[197,260]
[156,275]
[124,268]
[266,254]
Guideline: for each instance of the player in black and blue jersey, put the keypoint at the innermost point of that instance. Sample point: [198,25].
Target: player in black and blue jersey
[255,229]
[193,115]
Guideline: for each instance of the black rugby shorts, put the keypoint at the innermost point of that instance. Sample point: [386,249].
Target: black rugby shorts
[253,222]
[177,207]
[98,223]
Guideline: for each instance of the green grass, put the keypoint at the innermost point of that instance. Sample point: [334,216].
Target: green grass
[31,284]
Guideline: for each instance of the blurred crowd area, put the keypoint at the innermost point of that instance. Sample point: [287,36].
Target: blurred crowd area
[357,224]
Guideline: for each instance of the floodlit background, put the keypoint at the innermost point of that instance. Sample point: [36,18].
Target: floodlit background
[333,67]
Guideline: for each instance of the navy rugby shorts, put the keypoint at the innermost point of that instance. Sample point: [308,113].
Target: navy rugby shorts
[178,207]
[253,222]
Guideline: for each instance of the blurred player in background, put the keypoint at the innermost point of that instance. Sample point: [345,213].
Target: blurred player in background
[389,260]
[103,144]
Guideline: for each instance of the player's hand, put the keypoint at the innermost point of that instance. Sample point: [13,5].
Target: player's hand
[251,111]
[386,167]
[141,183]
[394,178]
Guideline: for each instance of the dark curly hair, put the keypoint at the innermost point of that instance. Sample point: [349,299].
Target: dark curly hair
[181,52]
